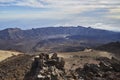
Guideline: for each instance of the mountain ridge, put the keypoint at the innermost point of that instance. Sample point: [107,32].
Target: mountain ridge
[52,30]
[26,40]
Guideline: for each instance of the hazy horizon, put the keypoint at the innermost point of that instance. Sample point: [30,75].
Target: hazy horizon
[28,14]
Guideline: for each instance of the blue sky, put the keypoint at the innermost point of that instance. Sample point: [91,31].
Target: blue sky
[27,14]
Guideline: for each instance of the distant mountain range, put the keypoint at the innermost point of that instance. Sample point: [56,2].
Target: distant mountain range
[54,37]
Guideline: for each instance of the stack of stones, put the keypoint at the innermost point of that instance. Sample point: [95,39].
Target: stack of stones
[46,68]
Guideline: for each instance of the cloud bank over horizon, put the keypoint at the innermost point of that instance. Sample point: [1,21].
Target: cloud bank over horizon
[26,14]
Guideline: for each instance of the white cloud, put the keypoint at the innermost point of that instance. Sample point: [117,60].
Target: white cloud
[6,1]
[114,13]
[64,6]
[105,26]
[29,3]
[68,11]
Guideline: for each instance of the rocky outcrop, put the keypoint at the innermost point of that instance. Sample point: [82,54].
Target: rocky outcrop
[52,68]
[46,68]
[108,69]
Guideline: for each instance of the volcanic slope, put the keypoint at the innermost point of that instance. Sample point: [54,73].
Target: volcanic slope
[16,67]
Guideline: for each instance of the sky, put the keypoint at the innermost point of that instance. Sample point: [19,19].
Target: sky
[27,14]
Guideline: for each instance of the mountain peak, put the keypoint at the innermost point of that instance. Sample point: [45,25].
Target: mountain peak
[12,29]
[9,33]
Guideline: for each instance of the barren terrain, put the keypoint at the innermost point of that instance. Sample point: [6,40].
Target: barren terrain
[16,67]
[6,54]
[78,59]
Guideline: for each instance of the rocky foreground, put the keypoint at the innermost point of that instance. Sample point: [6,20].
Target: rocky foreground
[46,67]
[15,67]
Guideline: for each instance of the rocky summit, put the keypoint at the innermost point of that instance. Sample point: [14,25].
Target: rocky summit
[52,67]
[45,68]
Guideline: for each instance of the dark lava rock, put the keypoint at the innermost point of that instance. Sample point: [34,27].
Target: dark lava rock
[108,69]
[45,68]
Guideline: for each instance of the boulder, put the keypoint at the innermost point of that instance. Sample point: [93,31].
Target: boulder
[54,56]
[105,66]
